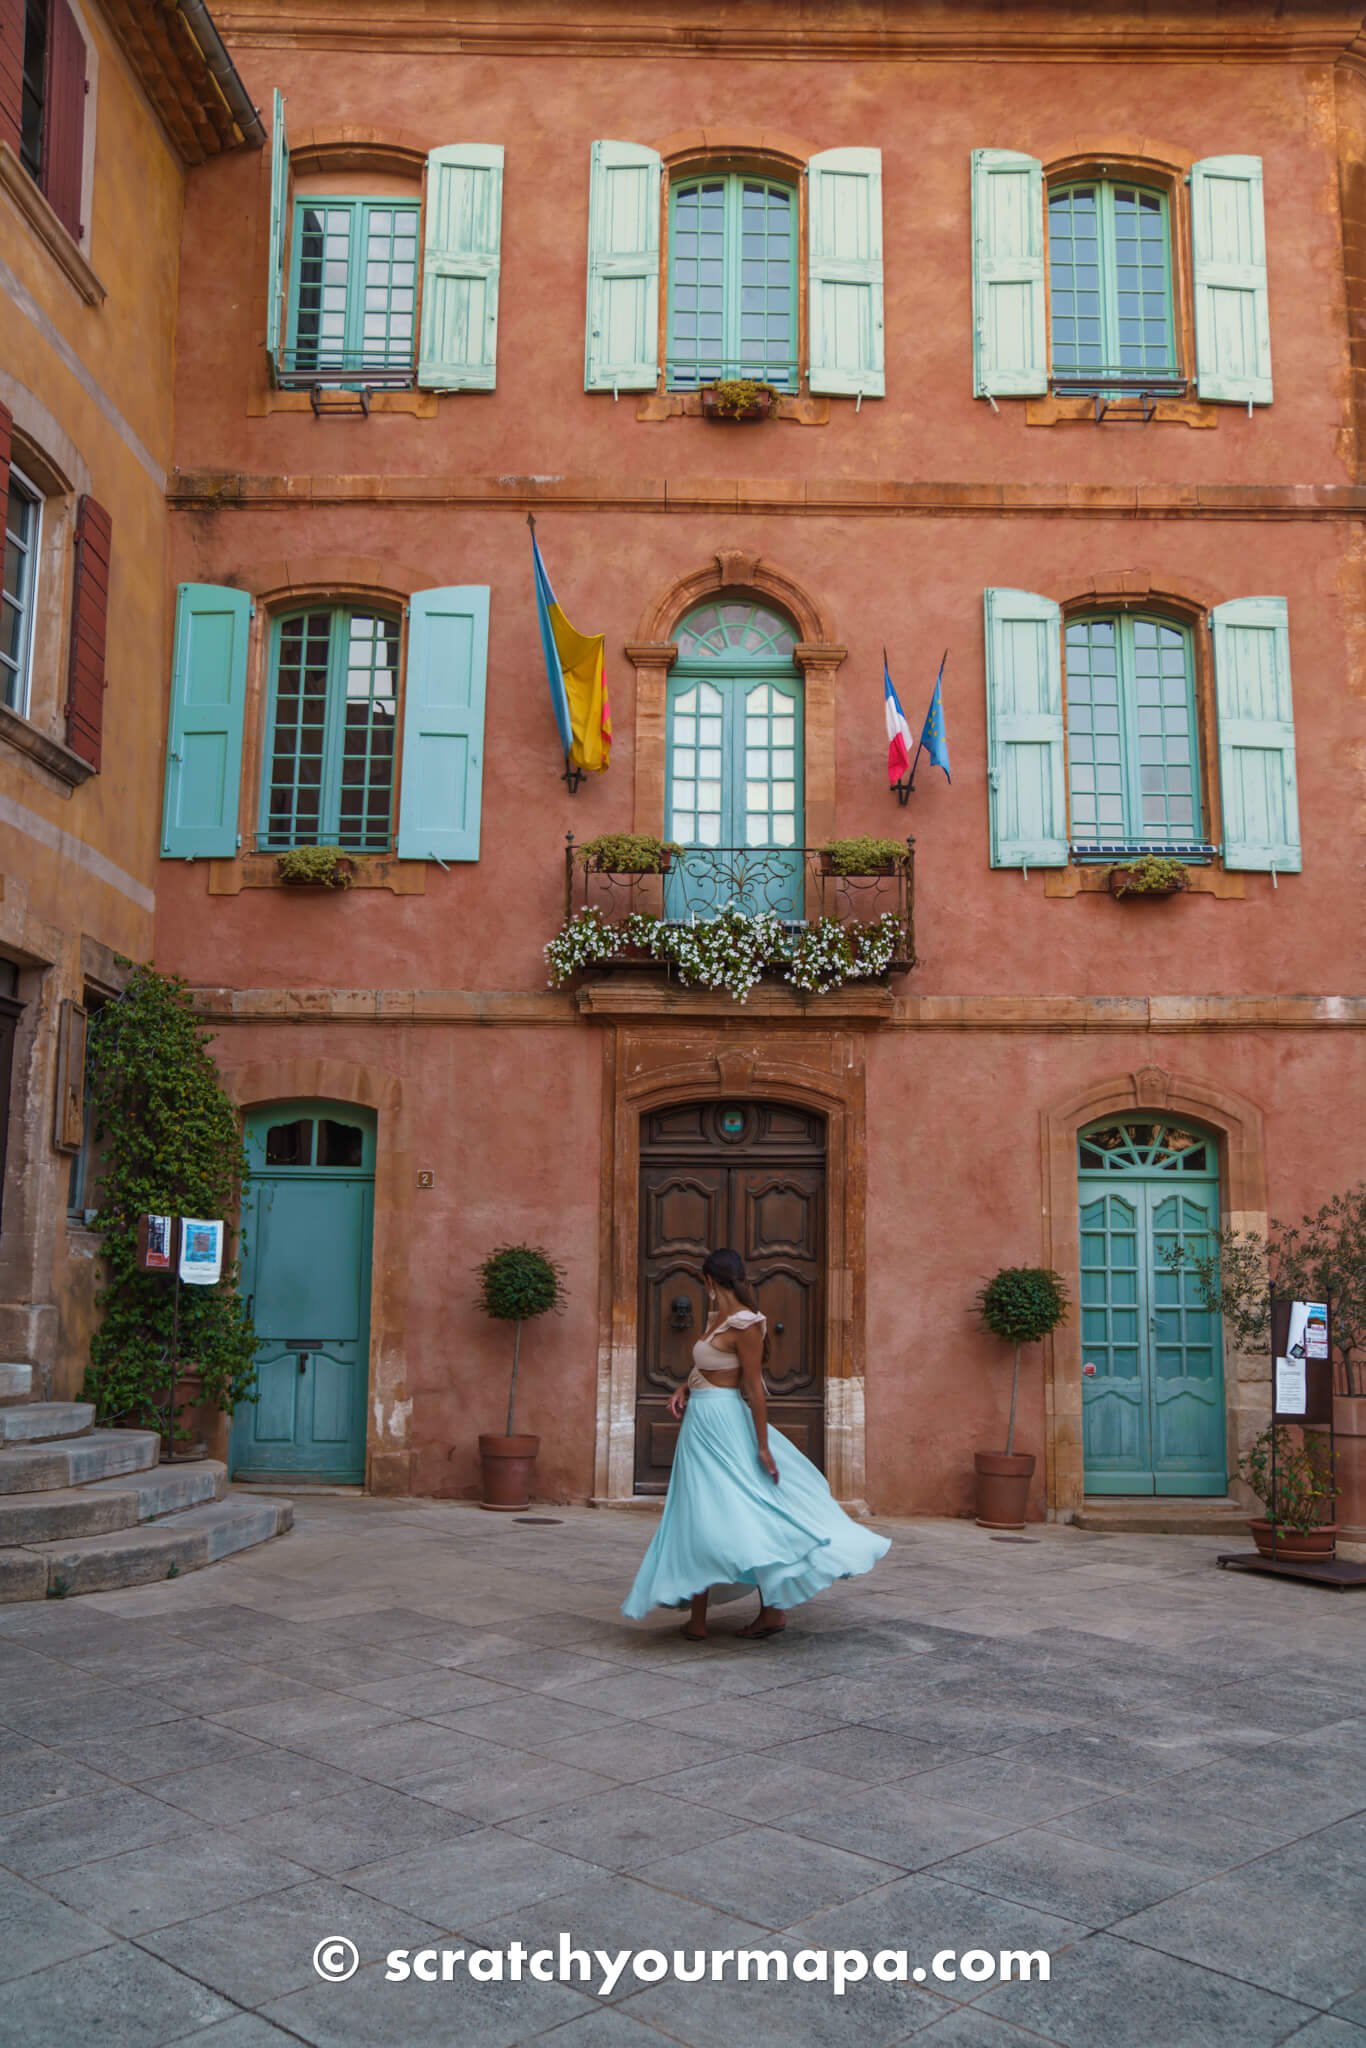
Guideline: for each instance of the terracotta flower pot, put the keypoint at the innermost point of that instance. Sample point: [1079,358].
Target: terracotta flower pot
[1003,1488]
[508,1462]
[1296,1546]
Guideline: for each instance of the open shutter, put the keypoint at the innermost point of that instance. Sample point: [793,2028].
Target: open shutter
[1010,334]
[89,631]
[1028,794]
[443,724]
[64,117]
[1232,315]
[844,237]
[463,218]
[12,14]
[208,697]
[279,207]
[1256,734]
[622,352]
[6,441]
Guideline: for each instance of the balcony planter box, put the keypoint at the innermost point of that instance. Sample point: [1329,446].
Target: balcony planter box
[616,867]
[886,867]
[1129,882]
[758,407]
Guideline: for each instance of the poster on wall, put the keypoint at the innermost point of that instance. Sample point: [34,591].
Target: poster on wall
[156,1239]
[201,1251]
[1291,1389]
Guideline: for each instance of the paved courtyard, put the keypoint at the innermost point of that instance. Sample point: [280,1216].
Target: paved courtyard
[414,1725]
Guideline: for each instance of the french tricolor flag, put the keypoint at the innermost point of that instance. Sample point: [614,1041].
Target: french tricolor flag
[898,732]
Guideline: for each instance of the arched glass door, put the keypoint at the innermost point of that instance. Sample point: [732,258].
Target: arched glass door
[1152,1353]
[733,785]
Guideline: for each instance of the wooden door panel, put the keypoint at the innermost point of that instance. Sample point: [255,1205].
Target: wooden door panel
[683,1213]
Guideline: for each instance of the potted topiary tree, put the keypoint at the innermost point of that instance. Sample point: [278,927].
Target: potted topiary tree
[517,1282]
[1021,1305]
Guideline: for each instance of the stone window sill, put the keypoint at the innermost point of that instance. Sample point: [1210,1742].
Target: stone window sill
[416,404]
[371,871]
[1170,412]
[797,410]
[59,760]
[1095,881]
[60,245]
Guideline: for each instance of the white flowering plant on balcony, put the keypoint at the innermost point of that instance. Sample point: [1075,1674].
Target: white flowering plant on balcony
[731,951]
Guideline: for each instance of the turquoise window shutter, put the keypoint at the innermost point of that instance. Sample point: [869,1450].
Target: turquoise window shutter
[208,698]
[1027,791]
[622,350]
[844,238]
[1010,342]
[443,724]
[279,201]
[460,262]
[1232,315]
[1256,734]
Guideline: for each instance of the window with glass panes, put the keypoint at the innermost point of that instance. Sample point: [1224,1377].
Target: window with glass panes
[23,527]
[329,774]
[734,738]
[1110,292]
[1133,754]
[732,282]
[353,298]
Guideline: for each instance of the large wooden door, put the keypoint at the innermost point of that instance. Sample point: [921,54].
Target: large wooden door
[1152,1372]
[752,1176]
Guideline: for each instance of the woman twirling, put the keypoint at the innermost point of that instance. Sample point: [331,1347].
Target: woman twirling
[743,1511]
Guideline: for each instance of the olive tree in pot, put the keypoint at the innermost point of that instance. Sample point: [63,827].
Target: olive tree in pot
[517,1282]
[1021,1305]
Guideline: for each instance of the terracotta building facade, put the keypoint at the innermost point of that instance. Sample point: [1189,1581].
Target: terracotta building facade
[1058,316]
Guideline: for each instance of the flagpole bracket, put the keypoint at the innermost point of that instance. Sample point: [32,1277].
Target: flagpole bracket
[572,776]
[903,789]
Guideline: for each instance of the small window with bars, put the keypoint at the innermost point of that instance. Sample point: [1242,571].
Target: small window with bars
[1132,742]
[732,310]
[330,745]
[353,292]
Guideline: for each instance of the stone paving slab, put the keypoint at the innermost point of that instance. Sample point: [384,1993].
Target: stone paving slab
[422,1726]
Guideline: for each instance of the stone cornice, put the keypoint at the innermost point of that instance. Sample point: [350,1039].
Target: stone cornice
[850,497]
[647,998]
[1104,32]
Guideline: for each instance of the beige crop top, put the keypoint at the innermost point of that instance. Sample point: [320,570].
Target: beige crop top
[707,1358]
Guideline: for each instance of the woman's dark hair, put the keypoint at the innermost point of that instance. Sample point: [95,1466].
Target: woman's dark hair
[727,1269]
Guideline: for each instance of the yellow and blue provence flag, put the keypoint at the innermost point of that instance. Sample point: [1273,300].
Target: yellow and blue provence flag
[933,738]
[574,670]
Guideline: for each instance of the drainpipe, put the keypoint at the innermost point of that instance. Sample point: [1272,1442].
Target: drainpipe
[225,72]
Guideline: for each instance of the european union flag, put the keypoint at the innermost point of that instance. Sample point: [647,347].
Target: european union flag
[933,738]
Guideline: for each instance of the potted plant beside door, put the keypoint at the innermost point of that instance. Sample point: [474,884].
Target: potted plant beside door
[1021,1305]
[517,1283]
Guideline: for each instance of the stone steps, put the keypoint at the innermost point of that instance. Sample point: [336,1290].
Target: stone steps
[1144,1515]
[76,1461]
[35,1422]
[16,1383]
[59,1513]
[186,1541]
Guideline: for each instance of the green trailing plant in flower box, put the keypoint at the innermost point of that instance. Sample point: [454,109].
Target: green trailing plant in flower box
[627,853]
[865,855]
[738,398]
[1153,874]
[319,867]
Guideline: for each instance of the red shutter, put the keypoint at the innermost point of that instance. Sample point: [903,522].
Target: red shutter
[6,431]
[12,72]
[89,614]
[64,117]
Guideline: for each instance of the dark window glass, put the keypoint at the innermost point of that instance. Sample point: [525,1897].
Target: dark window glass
[339,1144]
[35,86]
[290,1144]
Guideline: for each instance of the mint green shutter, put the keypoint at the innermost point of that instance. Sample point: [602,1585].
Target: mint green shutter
[279,200]
[443,724]
[1232,316]
[622,351]
[1010,337]
[1027,792]
[208,698]
[844,240]
[1256,734]
[462,232]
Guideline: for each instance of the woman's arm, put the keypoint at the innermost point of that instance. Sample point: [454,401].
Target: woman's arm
[749,1352]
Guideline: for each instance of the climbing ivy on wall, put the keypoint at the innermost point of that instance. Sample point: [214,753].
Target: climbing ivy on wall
[171,1144]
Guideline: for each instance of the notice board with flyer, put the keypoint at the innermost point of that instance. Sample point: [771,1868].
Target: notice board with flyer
[1301,1361]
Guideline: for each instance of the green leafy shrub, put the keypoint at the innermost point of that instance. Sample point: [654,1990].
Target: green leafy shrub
[326,867]
[1301,1495]
[172,1146]
[1154,874]
[732,397]
[1021,1305]
[865,856]
[627,853]
[517,1283]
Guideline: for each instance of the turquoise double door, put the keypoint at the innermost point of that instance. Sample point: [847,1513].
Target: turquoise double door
[307,1224]
[1153,1417]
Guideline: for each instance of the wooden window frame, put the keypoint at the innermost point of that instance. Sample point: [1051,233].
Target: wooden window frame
[733,183]
[34,556]
[336,606]
[777,168]
[1108,267]
[390,377]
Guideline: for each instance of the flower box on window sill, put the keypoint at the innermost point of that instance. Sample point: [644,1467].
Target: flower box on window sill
[849,859]
[1149,877]
[737,400]
[307,867]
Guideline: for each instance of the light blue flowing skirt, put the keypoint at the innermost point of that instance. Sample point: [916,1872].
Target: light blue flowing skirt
[727,1527]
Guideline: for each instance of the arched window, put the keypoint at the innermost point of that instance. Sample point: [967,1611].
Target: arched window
[732,308]
[1146,1145]
[1132,744]
[329,774]
[1110,281]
